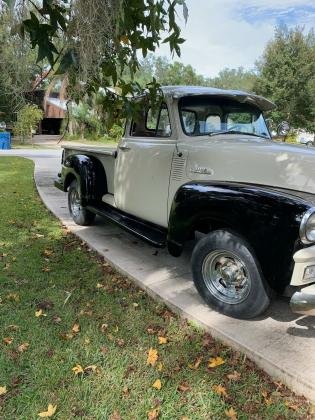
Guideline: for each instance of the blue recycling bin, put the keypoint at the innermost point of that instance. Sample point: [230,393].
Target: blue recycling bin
[5,140]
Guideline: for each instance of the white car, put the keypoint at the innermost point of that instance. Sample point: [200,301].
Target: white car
[304,137]
[206,163]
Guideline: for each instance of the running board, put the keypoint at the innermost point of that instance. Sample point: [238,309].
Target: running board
[151,233]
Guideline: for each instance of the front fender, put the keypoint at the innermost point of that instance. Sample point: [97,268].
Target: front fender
[268,219]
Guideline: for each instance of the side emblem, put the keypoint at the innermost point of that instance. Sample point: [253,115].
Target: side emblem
[201,170]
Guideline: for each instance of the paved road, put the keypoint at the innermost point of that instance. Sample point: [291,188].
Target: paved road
[280,342]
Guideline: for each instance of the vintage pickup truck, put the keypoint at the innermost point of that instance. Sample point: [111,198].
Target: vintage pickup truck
[205,166]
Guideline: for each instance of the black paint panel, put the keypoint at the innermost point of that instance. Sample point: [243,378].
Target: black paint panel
[90,174]
[268,219]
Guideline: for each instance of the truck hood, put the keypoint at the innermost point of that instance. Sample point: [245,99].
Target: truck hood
[252,160]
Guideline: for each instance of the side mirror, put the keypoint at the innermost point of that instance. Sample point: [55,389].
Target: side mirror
[283,129]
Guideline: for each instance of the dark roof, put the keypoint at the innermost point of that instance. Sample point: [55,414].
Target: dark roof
[238,95]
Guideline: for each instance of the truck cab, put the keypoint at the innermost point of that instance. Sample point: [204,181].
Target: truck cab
[204,162]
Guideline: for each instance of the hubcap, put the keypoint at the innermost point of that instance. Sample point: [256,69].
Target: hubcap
[226,276]
[75,203]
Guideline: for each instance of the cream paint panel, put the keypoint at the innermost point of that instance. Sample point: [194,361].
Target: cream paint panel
[251,160]
[142,177]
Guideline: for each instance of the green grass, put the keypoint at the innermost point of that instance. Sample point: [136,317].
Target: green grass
[42,266]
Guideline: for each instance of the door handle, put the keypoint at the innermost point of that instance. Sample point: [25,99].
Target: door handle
[124,148]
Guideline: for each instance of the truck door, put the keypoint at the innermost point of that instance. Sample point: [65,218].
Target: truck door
[143,166]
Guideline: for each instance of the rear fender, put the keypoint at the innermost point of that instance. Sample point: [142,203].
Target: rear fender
[90,175]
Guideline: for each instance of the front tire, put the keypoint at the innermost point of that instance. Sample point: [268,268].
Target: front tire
[79,214]
[227,275]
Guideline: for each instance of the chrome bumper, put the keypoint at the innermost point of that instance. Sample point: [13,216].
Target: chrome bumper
[303,301]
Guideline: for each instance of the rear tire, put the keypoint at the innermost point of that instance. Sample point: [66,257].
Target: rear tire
[79,214]
[227,275]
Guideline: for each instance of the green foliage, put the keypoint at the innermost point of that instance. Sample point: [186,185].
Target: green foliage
[287,76]
[235,79]
[95,42]
[17,67]
[28,118]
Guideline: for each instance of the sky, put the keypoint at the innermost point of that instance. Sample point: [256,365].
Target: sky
[234,33]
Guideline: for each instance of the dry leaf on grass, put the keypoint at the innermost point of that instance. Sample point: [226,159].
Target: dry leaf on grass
[184,387]
[235,376]
[159,367]
[115,416]
[76,328]
[153,414]
[215,361]
[39,313]
[23,347]
[162,340]
[7,340]
[291,405]
[77,369]
[196,363]
[51,409]
[157,384]
[152,357]
[3,390]
[220,390]
[231,413]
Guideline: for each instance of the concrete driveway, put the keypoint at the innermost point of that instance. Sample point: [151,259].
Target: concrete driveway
[280,342]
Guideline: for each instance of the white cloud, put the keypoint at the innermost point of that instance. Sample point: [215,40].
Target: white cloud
[229,33]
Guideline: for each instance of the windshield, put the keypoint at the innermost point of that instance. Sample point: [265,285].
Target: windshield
[207,115]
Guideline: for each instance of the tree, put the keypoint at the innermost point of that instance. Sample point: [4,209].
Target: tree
[28,118]
[235,79]
[94,42]
[287,76]
[17,67]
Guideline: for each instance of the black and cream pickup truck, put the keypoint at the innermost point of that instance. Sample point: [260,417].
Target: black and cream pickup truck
[206,163]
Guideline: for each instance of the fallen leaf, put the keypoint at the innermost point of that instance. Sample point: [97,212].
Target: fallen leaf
[56,319]
[268,400]
[184,387]
[162,340]
[157,384]
[103,349]
[8,340]
[220,390]
[12,327]
[135,304]
[153,414]
[196,363]
[66,336]
[235,376]
[215,361]
[76,328]
[152,357]
[291,405]
[120,342]
[23,347]
[3,390]
[77,369]
[126,391]
[38,235]
[115,416]
[231,413]
[46,269]
[39,313]
[159,367]
[91,369]
[13,297]
[48,252]
[50,411]
[45,305]
[104,327]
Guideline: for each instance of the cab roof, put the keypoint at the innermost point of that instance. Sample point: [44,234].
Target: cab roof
[177,92]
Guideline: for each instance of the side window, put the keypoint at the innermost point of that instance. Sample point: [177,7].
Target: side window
[152,124]
[189,121]
[212,124]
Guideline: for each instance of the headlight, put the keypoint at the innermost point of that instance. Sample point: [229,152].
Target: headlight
[307,228]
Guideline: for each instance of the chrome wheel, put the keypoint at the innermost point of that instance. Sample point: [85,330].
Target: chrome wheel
[75,203]
[226,276]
